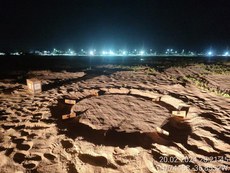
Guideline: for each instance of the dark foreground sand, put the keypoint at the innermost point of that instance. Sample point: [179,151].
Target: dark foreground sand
[118,118]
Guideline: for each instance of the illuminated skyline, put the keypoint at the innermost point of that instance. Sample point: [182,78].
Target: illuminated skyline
[120,52]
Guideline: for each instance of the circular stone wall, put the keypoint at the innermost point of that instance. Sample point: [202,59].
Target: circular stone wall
[123,112]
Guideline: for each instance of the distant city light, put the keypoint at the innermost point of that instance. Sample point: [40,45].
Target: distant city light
[111,52]
[122,52]
[15,53]
[70,52]
[142,59]
[210,53]
[142,52]
[91,53]
[226,53]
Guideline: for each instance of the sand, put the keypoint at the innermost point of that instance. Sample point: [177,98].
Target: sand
[119,112]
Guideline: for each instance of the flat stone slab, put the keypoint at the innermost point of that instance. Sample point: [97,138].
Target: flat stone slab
[118,91]
[174,102]
[122,112]
[147,94]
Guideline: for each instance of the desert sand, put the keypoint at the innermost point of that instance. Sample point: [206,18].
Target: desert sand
[123,122]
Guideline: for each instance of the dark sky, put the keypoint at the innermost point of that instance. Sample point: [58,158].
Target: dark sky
[113,24]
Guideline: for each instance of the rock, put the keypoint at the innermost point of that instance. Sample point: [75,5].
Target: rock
[146,94]
[118,91]
[174,102]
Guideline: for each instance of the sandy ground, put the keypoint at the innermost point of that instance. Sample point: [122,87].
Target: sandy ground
[121,113]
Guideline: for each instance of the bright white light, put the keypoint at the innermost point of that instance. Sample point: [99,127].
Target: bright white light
[104,52]
[142,52]
[226,54]
[91,53]
[111,52]
[210,53]
[124,53]
[142,59]
[16,53]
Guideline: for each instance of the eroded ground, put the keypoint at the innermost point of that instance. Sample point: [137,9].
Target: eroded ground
[119,112]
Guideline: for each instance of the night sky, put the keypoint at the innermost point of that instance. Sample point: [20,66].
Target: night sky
[113,24]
